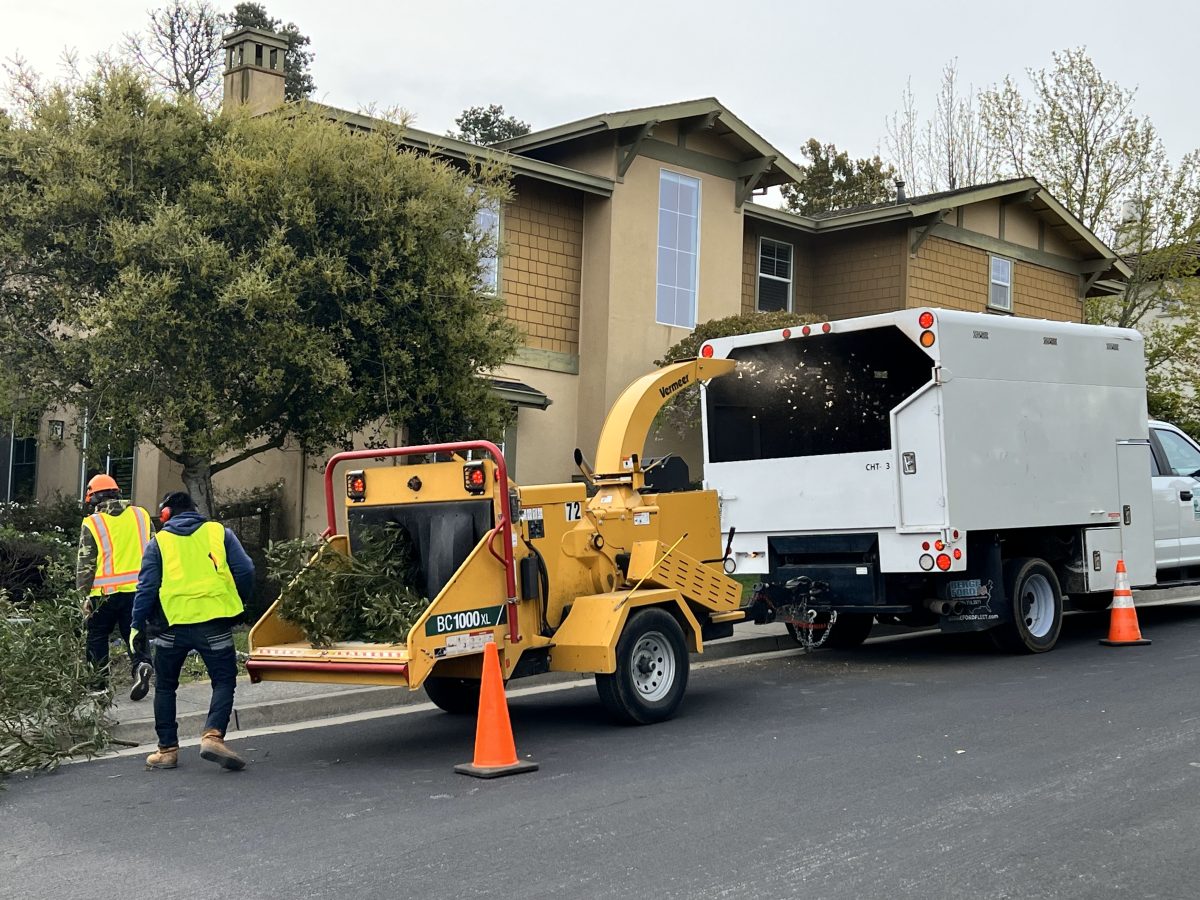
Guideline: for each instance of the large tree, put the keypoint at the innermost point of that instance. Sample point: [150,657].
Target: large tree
[486,125]
[298,82]
[179,48]
[949,149]
[832,180]
[224,285]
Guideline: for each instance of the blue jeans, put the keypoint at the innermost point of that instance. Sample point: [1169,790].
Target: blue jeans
[214,642]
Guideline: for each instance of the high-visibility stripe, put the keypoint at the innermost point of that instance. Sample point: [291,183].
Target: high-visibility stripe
[143,521]
[106,547]
[118,578]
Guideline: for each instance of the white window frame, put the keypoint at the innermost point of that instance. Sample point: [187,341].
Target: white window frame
[1007,285]
[658,247]
[490,209]
[761,274]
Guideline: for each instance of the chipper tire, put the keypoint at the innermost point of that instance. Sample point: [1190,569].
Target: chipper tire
[652,670]
[1036,604]
[457,696]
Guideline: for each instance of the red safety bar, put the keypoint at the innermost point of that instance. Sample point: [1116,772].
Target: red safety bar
[503,527]
[255,666]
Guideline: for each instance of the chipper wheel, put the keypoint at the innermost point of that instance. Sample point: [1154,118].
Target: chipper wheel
[652,669]
[457,696]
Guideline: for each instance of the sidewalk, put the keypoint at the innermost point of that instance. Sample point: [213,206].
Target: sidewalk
[284,702]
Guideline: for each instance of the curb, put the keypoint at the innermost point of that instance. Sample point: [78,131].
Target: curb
[331,703]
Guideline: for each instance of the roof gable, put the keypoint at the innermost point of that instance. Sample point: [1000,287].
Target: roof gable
[633,126]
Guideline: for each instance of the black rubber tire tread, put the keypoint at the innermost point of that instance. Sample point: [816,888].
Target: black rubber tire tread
[1013,636]
[457,696]
[617,691]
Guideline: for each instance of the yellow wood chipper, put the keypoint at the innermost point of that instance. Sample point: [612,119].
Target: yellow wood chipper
[622,583]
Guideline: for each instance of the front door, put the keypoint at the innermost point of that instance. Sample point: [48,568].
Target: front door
[1176,498]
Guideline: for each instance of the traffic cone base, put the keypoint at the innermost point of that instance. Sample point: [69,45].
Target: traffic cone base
[1123,630]
[495,751]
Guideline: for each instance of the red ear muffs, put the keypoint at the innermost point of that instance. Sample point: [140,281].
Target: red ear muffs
[164,514]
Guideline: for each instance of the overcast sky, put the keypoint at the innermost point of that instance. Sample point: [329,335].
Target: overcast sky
[791,70]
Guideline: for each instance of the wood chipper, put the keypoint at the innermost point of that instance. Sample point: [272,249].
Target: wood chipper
[621,584]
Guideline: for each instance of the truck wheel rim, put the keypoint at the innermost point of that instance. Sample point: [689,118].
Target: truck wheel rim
[653,666]
[1037,605]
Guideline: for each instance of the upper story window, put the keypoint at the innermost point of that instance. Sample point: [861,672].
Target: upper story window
[774,275]
[678,249]
[487,227]
[1000,286]
[22,469]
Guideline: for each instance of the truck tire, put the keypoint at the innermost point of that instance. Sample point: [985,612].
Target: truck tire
[652,670]
[457,696]
[1036,604]
[849,631]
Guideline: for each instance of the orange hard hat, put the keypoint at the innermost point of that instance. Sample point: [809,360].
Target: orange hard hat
[100,483]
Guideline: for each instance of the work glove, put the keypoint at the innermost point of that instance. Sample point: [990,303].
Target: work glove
[86,607]
[133,636]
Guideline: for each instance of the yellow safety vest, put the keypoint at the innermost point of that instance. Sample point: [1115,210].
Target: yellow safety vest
[120,542]
[197,585]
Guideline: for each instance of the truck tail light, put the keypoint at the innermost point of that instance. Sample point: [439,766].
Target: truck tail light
[356,486]
[926,561]
[957,553]
[474,477]
[826,328]
[806,330]
[928,338]
[925,320]
[706,351]
[943,562]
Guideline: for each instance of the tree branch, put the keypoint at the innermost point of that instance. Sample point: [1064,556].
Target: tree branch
[274,444]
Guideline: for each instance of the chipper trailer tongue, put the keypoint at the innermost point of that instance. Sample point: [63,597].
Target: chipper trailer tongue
[622,584]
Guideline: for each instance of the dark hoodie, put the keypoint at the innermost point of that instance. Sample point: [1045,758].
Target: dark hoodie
[150,577]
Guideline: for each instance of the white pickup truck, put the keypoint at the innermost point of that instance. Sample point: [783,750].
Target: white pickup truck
[938,466]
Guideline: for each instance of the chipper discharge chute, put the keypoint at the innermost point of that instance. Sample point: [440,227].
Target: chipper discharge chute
[622,584]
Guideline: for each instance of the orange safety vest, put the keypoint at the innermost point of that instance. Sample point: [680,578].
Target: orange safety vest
[120,542]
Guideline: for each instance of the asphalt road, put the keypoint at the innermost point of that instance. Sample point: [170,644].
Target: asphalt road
[926,768]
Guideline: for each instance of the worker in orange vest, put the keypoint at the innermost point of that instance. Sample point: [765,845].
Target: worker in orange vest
[111,543]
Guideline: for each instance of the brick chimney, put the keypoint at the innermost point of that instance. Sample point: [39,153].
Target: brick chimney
[253,70]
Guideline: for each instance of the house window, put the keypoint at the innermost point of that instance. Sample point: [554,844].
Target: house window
[487,231]
[1000,287]
[111,453]
[678,249]
[774,275]
[22,470]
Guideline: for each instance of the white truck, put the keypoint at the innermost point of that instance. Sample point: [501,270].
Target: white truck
[931,466]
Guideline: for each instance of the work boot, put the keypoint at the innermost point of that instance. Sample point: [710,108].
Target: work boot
[163,758]
[212,748]
[141,681]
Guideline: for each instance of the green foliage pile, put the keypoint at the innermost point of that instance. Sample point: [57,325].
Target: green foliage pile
[370,596]
[37,549]
[49,708]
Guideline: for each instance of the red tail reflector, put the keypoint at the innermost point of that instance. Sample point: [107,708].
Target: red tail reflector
[706,351]
[826,328]
[787,332]
[957,553]
[943,561]
[806,331]
[925,320]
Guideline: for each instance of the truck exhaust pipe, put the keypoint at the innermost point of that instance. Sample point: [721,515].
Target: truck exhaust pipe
[945,607]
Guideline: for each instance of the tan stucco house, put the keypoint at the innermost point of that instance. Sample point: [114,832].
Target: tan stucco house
[626,230]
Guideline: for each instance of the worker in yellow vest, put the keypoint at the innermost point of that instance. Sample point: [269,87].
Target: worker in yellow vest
[111,543]
[201,577]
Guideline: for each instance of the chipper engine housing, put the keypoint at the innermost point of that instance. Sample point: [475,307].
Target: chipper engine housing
[622,583]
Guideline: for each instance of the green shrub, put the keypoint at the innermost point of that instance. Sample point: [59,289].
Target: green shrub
[49,707]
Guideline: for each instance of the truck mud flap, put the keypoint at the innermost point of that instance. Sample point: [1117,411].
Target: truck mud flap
[977,595]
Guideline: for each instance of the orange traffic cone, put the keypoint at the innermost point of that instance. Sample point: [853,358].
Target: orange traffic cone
[1123,628]
[495,752]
